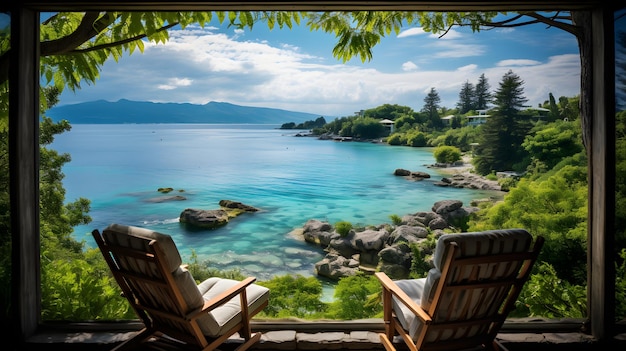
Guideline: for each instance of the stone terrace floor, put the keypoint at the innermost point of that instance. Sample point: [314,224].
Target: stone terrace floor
[342,336]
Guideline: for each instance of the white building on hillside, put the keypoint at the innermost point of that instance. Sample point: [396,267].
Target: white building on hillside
[478,119]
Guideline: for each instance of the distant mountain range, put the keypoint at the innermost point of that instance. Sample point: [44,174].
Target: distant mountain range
[126,111]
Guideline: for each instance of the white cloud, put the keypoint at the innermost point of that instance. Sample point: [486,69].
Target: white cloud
[409,66]
[517,62]
[174,83]
[411,32]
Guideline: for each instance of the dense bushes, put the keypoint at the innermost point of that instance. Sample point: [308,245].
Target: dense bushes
[447,154]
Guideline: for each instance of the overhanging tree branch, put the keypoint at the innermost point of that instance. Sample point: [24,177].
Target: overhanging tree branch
[121,42]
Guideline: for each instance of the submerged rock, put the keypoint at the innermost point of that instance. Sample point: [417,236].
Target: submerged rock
[206,219]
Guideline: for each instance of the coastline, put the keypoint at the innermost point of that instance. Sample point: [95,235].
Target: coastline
[462,173]
[464,167]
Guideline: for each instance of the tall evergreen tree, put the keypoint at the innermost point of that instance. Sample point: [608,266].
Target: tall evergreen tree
[466,98]
[509,98]
[482,95]
[501,146]
[431,108]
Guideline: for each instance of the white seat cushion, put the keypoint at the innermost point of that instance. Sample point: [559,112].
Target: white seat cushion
[222,318]
[414,288]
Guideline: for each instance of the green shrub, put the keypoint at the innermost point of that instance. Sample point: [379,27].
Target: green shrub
[343,228]
[395,219]
[294,296]
[356,297]
[396,139]
[447,154]
[507,183]
[416,139]
[491,176]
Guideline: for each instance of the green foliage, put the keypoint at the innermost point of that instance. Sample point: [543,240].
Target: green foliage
[500,146]
[395,219]
[343,228]
[466,98]
[81,288]
[317,123]
[553,142]
[419,265]
[416,138]
[356,297]
[388,111]
[396,139]
[507,183]
[548,296]
[447,154]
[461,138]
[294,296]
[431,108]
[555,208]
[367,128]
[406,122]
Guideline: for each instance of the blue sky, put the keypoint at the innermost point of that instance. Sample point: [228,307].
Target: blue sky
[295,70]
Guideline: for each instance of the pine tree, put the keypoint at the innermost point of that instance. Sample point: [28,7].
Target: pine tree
[501,146]
[466,98]
[509,98]
[482,96]
[431,108]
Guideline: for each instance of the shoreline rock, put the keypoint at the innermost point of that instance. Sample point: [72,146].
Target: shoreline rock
[384,247]
[211,219]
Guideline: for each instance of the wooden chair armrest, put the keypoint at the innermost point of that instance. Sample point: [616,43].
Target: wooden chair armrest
[223,297]
[389,285]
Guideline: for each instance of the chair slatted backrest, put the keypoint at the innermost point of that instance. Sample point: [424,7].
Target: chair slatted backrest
[150,276]
[475,284]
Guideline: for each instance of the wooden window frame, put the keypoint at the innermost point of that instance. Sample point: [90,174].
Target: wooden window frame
[24,128]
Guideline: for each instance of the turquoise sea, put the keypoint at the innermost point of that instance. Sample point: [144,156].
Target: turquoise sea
[291,179]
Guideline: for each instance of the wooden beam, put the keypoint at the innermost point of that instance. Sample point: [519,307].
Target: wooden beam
[316,5]
[24,171]
[601,236]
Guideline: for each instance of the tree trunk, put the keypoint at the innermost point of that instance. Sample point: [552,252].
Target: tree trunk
[582,20]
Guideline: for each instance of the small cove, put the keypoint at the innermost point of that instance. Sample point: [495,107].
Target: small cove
[119,167]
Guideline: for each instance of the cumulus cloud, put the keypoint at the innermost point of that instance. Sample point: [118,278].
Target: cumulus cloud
[409,66]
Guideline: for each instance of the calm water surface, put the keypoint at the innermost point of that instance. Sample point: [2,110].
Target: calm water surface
[291,179]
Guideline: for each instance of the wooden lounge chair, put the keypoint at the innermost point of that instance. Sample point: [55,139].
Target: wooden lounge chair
[177,312]
[465,298]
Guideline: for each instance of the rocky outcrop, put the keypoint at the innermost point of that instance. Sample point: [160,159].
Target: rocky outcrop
[211,219]
[384,247]
[205,219]
[237,206]
[470,181]
[411,175]
[458,180]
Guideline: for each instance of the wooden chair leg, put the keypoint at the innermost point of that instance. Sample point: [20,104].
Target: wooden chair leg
[388,344]
[251,341]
